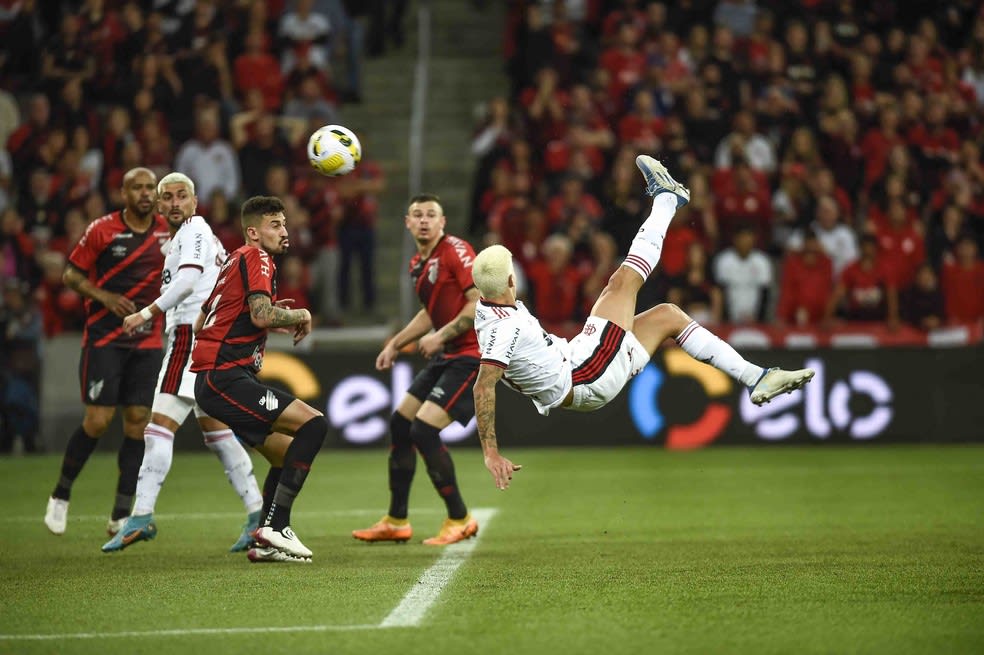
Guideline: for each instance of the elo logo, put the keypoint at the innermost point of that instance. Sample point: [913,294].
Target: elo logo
[825,410]
[859,406]
[648,418]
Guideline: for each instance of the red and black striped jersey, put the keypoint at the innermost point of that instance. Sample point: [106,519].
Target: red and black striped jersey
[441,281]
[228,337]
[118,259]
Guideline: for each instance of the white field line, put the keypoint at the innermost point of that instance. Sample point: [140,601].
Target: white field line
[408,614]
[412,609]
[208,516]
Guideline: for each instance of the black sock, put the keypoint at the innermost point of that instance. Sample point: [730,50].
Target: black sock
[440,468]
[402,465]
[80,446]
[129,459]
[297,462]
[270,488]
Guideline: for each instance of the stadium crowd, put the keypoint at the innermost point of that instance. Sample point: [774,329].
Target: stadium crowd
[832,148]
[226,91]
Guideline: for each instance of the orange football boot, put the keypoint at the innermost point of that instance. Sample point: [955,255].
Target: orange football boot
[386,529]
[453,531]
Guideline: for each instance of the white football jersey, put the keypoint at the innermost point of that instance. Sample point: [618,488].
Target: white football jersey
[537,364]
[195,245]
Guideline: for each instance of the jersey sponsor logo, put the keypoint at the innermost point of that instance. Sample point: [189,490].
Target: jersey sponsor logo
[95,388]
[123,235]
[490,344]
[269,401]
[512,344]
[461,249]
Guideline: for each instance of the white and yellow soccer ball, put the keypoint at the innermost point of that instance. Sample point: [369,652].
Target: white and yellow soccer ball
[334,150]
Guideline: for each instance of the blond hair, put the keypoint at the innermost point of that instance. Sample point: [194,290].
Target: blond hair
[491,271]
[176,178]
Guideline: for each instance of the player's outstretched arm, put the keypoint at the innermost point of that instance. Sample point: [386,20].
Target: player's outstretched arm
[180,288]
[432,344]
[418,326]
[265,314]
[116,303]
[484,394]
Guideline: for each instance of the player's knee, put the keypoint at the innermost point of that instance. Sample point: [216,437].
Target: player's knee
[426,437]
[135,419]
[400,430]
[671,315]
[97,420]
[616,282]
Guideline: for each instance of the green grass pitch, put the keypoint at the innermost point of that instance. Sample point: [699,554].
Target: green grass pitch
[631,550]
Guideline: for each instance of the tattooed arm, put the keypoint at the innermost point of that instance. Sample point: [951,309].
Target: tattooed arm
[265,314]
[464,321]
[484,393]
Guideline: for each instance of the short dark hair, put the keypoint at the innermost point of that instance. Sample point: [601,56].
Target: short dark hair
[254,209]
[425,197]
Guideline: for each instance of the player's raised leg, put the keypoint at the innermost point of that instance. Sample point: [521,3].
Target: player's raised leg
[617,300]
[666,321]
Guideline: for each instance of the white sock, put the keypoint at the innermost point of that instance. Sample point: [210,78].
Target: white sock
[238,466]
[648,242]
[699,343]
[158,452]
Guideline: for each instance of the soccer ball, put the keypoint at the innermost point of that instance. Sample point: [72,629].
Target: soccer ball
[334,150]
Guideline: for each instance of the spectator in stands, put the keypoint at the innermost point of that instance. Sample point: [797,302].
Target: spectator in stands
[944,233]
[209,159]
[25,141]
[264,149]
[839,241]
[256,68]
[308,31]
[922,304]
[292,281]
[863,291]
[224,225]
[807,284]
[310,104]
[20,359]
[61,307]
[746,143]
[963,283]
[359,191]
[693,291]
[901,245]
[554,284]
[745,275]
[743,199]
[65,56]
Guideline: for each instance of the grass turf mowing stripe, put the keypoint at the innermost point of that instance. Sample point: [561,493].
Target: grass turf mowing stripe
[412,609]
[208,516]
[188,632]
